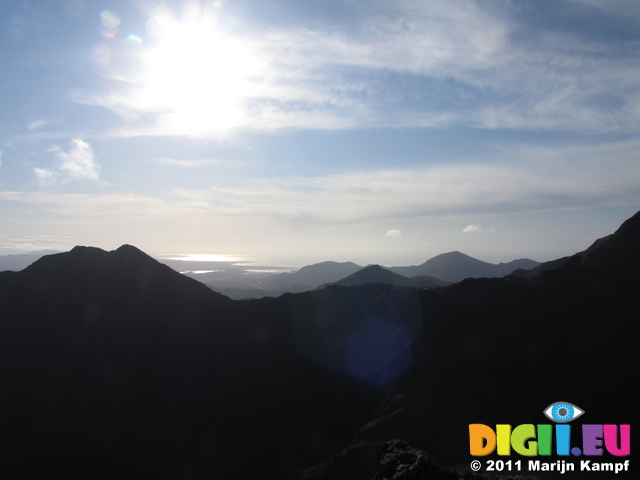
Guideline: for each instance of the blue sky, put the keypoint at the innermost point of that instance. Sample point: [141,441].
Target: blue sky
[296,131]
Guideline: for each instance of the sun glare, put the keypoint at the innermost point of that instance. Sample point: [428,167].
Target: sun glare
[196,76]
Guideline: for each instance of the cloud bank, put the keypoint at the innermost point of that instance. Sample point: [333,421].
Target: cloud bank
[539,180]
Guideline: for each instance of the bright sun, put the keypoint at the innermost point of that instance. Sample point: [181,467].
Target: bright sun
[198,78]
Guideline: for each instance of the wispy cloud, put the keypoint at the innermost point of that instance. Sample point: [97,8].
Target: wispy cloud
[46,177]
[412,64]
[541,179]
[77,163]
[476,228]
[393,233]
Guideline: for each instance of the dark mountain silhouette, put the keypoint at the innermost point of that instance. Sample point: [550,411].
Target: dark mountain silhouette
[76,467]
[237,283]
[492,350]
[615,247]
[439,271]
[456,266]
[375,274]
[425,281]
[310,276]
[378,274]
[306,278]
[114,357]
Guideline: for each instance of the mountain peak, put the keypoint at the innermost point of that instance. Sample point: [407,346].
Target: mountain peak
[311,276]
[125,252]
[132,254]
[374,267]
[127,266]
[376,274]
[94,258]
[456,266]
[454,253]
[328,265]
[126,248]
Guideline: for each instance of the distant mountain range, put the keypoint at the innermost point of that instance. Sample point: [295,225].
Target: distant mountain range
[438,271]
[113,365]
[21,261]
[309,277]
[235,283]
[378,274]
[456,266]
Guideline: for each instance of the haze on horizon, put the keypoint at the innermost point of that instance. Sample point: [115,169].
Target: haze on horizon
[297,132]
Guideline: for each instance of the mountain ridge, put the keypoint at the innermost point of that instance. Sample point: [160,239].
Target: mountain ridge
[115,355]
[592,257]
[136,266]
[383,275]
[310,276]
[449,267]
[456,266]
[438,271]
[376,274]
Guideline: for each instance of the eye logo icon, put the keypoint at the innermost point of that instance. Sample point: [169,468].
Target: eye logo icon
[563,412]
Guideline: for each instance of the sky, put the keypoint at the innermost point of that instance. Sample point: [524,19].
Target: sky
[297,131]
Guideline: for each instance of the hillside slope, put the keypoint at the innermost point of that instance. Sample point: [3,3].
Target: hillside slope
[114,356]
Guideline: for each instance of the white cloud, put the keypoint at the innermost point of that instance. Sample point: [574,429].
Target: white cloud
[77,163]
[476,228]
[393,233]
[46,177]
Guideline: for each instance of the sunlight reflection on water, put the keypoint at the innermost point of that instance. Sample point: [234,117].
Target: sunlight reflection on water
[189,257]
